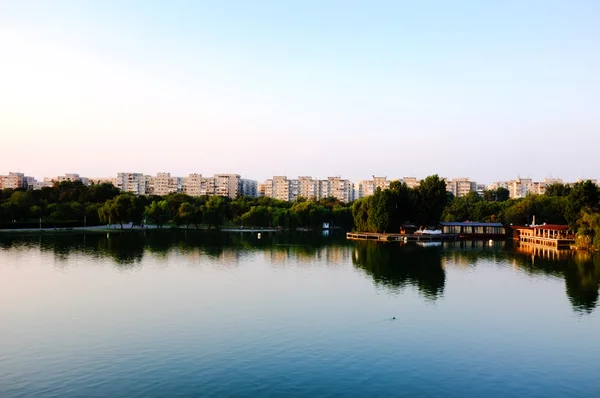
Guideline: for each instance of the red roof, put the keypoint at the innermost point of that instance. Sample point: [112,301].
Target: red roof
[555,227]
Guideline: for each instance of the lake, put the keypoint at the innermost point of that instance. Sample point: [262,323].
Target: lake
[174,314]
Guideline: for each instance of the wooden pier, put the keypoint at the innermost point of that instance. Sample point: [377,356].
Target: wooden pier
[401,237]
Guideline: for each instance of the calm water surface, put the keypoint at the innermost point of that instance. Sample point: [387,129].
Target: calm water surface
[217,315]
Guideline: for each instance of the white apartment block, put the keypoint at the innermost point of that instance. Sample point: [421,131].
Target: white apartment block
[308,187]
[163,184]
[132,182]
[342,190]
[461,186]
[368,187]
[521,187]
[278,188]
[12,181]
[227,185]
[281,188]
[192,184]
[71,177]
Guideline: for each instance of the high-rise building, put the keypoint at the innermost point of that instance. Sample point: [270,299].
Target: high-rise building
[227,185]
[281,188]
[71,177]
[340,189]
[411,182]
[12,181]
[461,186]
[368,187]
[248,188]
[163,184]
[132,182]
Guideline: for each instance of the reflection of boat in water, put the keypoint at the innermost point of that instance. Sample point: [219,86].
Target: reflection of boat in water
[429,244]
[428,232]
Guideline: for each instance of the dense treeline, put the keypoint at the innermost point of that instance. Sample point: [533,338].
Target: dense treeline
[577,206]
[104,204]
[385,211]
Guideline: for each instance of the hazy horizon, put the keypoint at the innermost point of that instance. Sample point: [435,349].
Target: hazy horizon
[487,90]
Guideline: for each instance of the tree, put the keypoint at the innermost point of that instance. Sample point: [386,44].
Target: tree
[215,211]
[360,213]
[159,212]
[502,194]
[381,211]
[432,200]
[137,210]
[117,210]
[258,216]
[583,196]
[185,214]
[557,189]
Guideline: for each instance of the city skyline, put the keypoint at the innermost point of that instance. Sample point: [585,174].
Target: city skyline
[320,88]
[319,176]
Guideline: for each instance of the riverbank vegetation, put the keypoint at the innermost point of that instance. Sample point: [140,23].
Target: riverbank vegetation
[71,204]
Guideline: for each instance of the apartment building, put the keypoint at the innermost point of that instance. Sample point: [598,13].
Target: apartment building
[521,187]
[340,189]
[411,182]
[192,184]
[12,181]
[461,186]
[227,185]
[278,188]
[248,188]
[282,188]
[71,177]
[368,187]
[164,184]
[261,190]
[136,183]
[308,187]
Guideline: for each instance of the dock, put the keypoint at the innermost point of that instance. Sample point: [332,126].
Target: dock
[401,237]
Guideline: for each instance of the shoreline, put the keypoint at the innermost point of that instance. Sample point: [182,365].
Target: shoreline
[127,228]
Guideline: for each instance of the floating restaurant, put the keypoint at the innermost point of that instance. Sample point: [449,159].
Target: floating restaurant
[475,230]
[556,236]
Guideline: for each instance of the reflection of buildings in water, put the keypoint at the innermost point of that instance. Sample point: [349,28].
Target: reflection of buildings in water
[225,257]
[466,253]
[330,255]
[545,252]
[477,245]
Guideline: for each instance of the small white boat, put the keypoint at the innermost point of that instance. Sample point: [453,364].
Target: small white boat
[428,232]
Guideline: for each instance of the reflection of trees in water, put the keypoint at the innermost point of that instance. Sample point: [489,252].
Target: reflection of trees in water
[129,247]
[580,270]
[390,265]
[396,266]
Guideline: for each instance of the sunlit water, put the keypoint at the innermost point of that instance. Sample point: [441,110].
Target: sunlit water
[216,315]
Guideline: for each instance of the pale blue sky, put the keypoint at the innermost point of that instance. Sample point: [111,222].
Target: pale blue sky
[484,89]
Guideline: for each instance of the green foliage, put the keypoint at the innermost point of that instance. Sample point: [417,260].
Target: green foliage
[588,234]
[432,199]
[121,209]
[584,196]
[159,212]
[215,211]
[557,189]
